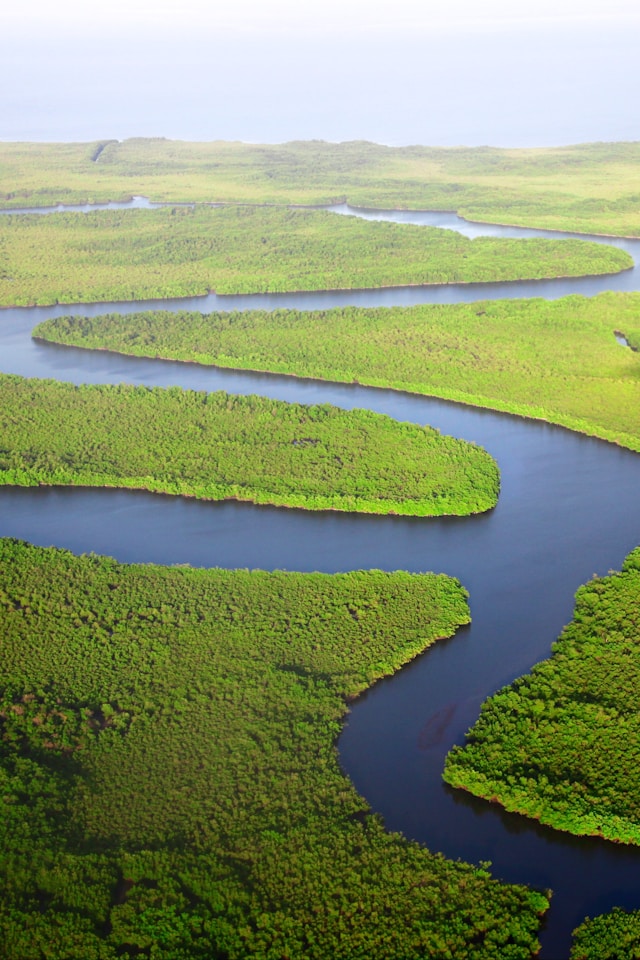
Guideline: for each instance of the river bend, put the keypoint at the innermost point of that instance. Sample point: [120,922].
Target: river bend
[568,508]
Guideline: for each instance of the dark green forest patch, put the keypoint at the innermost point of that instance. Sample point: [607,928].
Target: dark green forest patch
[170,783]
[611,936]
[561,743]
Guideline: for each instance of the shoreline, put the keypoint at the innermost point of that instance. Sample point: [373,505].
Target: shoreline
[247,500]
[323,290]
[547,824]
[343,199]
[502,411]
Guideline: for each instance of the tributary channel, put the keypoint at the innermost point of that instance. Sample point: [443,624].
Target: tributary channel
[568,508]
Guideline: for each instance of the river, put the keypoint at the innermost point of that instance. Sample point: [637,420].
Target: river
[568,508]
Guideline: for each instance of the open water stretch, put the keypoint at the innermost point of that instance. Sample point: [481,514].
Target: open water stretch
[568,508]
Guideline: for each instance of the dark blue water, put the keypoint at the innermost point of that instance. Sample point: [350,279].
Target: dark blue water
[568,508]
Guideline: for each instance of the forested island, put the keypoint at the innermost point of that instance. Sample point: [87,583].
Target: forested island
[219,446]
[169,772]
[180,251]
[555,360]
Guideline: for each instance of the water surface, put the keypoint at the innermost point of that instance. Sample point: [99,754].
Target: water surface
[568,508]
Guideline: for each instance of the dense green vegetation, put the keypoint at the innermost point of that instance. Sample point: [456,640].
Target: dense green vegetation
[562,743]
[220,446]
[592,188]
[557,360]
[170,784]
[611,936]
[180,251]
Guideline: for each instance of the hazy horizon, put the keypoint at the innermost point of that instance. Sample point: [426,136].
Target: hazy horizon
[543,75]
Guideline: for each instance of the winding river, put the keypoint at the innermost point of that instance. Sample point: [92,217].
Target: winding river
[569,508]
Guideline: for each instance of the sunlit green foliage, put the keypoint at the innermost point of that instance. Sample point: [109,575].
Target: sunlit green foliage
[218,446]
[179,251]
[592,188]
[555,360]
[611,936]
[562,743]
[170,784]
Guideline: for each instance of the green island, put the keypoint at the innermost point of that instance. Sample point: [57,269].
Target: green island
[554,360]
[588,188]
[184,251]
[221,446]
[561,744]
[611,936]
[171,787]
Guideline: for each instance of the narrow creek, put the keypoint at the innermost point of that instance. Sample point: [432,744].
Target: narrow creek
[568,508]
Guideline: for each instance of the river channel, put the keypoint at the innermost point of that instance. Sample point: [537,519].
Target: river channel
[568,508]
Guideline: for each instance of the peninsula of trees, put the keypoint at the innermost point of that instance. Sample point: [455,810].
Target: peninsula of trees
[561,744]
[180,252]
[169,775]
[555,360]
[220,446]
[611,936]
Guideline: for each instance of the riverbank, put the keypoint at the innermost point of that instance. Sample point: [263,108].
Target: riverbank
[587,188]
[221,447]
[492,355]
[256,840]
[133,254]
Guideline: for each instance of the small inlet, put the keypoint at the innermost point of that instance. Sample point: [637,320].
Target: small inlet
[622,340]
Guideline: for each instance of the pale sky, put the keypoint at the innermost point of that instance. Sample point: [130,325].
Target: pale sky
[441,72]
[314,16]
